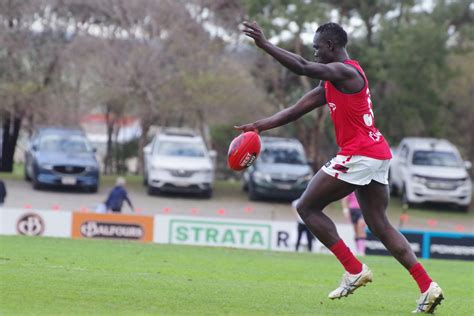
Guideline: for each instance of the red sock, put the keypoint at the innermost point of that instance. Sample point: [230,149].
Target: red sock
[421,277]
[346,258]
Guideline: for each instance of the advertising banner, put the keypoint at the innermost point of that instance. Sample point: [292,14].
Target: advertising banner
[430,245]
[225,232]
[112,226]
[375,247]
[35,223]
[451,246]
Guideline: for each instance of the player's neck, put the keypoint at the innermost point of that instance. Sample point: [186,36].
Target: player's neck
[341,56]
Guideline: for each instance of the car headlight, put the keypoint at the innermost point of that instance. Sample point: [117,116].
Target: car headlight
[46,166]
[261,177]
[461,182]
[418,179]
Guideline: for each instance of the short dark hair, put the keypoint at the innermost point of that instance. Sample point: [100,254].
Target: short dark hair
[334,32]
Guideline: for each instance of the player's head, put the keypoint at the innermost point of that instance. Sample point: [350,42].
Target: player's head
[328,39]
[120,181]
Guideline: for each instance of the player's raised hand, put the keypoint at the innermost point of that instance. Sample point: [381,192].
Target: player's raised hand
[253,30]
[247,128]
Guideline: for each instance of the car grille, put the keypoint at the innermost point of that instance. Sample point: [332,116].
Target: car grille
[283,179]
[443,184]
[182,173]
[69,169]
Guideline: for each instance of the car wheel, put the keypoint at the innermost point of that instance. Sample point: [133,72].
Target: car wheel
[463,208]
[93,189]
[25,175]
[207,194]
[253,194]
[151,190]
[145,181]
[36,184]
[404,198]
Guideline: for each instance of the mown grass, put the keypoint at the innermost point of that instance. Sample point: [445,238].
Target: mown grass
[48,276]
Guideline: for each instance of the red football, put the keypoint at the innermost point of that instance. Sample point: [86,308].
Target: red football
[243,151]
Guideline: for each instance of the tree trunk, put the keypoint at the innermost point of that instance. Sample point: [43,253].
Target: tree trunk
[141,144]
[11,130]
[110,122]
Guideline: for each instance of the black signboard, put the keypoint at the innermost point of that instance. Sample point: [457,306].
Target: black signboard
[450,247]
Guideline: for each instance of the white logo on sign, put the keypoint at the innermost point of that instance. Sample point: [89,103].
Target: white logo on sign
[30,225]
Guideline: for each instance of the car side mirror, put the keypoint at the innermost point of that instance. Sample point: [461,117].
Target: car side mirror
[467,165]
[34,147]
[94,150]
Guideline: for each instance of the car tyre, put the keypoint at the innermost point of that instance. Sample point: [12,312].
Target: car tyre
[464,208]
[93,189]
[253,194]
[207,194]
[25,175]
[36,184]
[151,190]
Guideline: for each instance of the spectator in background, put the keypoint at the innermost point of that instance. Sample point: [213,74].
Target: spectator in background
[116,197]
[3,192]
[302,228]
[352,211]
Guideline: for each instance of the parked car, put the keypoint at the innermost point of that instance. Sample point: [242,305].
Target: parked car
[430,170]
[178,160]
[61,157]
[281,171]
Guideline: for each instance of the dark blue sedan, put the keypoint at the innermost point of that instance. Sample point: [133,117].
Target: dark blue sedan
[61,157]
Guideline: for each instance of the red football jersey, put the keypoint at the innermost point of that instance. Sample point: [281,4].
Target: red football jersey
[353,120]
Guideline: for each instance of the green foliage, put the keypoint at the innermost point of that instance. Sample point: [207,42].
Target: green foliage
[52,276]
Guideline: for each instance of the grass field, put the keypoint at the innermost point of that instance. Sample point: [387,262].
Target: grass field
[48,276]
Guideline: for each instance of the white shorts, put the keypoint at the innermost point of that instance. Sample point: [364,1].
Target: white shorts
[358,170]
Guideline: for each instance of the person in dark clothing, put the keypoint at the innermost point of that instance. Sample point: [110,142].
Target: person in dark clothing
[302,228]
[3,192]
[116,197]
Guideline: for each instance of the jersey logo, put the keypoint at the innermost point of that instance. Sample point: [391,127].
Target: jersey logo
[332,107]
[368,119]
[375,136]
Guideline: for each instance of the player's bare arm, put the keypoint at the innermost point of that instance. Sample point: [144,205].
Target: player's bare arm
[311,100]
[334,72]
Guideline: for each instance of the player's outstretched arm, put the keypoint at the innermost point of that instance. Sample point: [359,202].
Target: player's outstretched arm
[295,63]
[311,100]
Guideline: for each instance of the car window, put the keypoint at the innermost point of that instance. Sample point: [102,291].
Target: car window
[435,158]
[179,149]
[282,155]
[63,143]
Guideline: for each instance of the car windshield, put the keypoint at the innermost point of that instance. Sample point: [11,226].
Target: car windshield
[180,149]
[435,158]
[64,143]
[286,155]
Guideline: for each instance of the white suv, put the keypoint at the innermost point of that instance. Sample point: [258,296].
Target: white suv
[178,161]
[430,170]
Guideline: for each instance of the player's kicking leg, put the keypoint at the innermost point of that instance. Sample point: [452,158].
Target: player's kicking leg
[373,199]
[322,190]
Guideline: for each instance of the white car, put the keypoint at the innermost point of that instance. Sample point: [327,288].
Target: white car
[178,161]
[430,170]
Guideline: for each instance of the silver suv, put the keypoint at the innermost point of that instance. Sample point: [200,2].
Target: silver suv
[177,160]
[430,170]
